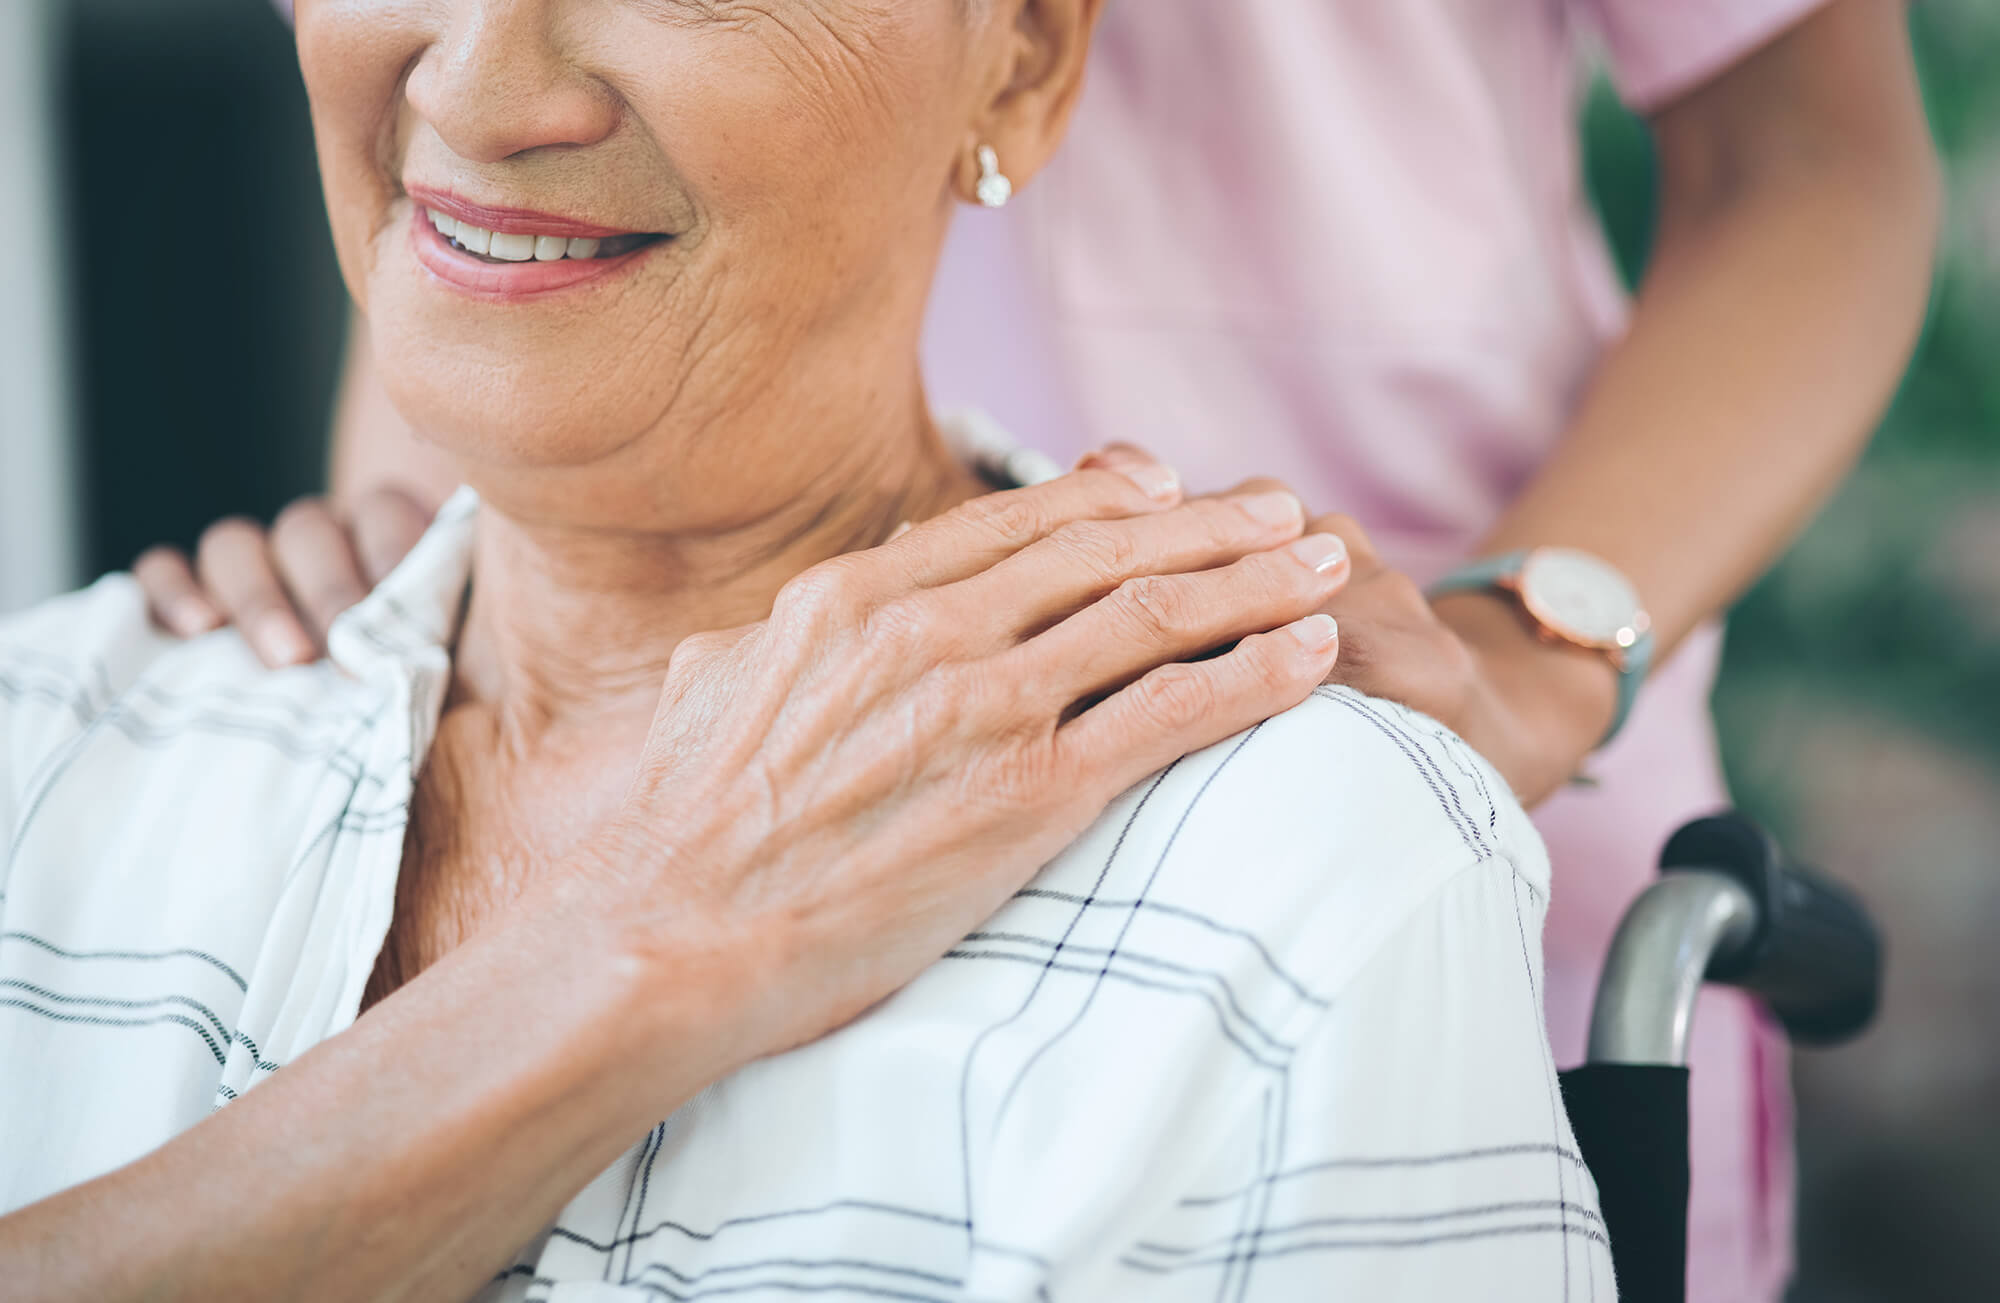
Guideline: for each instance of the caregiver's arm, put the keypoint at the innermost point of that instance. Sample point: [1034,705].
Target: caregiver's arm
[760,885]
[1799,205]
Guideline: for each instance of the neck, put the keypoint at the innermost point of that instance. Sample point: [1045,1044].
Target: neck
[573,623]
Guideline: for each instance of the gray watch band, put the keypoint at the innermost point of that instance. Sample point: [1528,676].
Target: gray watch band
[1489,571]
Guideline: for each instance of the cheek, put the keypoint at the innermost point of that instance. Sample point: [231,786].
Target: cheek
[810,147]
[353,55]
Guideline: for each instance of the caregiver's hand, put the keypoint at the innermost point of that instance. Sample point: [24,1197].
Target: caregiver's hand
[833,797]
[282,586]
[1535,710]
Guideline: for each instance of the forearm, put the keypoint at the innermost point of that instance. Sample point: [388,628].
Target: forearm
[410,1157]
[1766,342]
[1785,294]
[372,444]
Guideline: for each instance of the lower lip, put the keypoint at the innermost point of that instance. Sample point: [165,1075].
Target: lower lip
[508,280]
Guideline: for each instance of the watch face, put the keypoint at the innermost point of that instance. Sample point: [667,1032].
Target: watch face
[1581,597]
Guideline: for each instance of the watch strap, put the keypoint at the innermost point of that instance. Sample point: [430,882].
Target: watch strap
[1482,574]
[1487,573]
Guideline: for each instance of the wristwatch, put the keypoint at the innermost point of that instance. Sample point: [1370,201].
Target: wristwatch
[1575,598]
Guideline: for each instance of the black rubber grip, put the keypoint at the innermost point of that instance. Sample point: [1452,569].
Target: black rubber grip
[1815,957]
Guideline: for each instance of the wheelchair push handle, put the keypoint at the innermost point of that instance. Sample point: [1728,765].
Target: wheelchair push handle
[1813,954]
[1730,908]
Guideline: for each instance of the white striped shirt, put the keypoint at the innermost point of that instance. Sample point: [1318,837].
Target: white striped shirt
[1270,1029]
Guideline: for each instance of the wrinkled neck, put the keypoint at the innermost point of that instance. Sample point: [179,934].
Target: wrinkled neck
[574,623]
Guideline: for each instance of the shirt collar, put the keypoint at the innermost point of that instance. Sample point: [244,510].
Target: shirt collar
[415,612]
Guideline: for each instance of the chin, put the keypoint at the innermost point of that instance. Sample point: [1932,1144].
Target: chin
[508,418]
[485,403]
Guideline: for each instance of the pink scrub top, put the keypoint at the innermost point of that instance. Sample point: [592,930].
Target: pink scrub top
[1347,243]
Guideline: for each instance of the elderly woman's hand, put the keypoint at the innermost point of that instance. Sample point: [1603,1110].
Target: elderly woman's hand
[831,798]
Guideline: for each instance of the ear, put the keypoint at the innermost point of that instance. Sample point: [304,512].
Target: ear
[1034,74]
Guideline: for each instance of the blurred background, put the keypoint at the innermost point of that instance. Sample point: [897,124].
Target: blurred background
[1860,703]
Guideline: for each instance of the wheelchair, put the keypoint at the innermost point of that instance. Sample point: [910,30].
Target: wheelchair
[1729,908]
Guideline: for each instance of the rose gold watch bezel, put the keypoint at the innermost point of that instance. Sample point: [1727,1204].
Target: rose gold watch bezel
[1551,628]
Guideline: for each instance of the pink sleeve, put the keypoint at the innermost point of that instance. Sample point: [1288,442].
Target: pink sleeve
[1659,48]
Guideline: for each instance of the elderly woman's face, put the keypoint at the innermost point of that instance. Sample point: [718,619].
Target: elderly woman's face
[662,214]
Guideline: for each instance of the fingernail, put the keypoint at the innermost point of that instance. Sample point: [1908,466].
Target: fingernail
[899,531]
[1315,633]
[280,642]
[1322,552]
[1278,509]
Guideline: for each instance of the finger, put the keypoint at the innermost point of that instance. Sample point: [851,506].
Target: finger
[234,565]
[1130,459]
[386,523]
[172,595]
[1086,559]
[1159,619]
[976,535]
[1257,484]
[1360,548]
[316,564]
[1180,708]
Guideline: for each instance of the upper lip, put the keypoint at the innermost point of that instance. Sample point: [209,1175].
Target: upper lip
[512,221]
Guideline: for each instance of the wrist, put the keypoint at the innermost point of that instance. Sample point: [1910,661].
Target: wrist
[1562,695]
[649,1010]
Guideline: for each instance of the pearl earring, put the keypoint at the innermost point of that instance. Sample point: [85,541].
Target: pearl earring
[994,189]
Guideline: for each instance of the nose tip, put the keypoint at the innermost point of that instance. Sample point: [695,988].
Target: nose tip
[498,83]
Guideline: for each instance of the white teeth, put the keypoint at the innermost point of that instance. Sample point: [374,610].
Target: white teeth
[512,248]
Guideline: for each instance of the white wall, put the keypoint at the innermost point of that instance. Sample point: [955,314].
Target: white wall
[39,540]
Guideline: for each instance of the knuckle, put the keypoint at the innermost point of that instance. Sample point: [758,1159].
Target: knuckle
[828,593]
[1156,604]
[1275,666]
[1105,550]
[1015,517]
[1281,576]
[1030,773]
[1214,524]
[909,626]
[1177,695]
[696,649]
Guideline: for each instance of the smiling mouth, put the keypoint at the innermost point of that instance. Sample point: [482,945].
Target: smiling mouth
[501,247]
